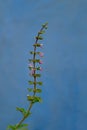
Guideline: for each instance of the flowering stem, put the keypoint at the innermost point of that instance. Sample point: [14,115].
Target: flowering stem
[32,99]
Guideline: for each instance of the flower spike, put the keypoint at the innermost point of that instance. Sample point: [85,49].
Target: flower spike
[35,70]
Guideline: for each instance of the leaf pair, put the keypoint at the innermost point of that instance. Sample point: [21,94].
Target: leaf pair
[34,90]
[21,127]
[34,99]
[32,82]
[24,112]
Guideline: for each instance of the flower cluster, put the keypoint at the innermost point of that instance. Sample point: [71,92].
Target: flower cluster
[34,63]
[35,66]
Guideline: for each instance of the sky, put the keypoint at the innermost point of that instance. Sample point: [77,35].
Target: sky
[64,73]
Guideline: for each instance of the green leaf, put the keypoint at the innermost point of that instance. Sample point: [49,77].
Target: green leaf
[45,25]
[30,89]
[41,32]
[30,82]
[22,110]
[38,68]
[30,68]
[38,90]
[36,75]
[32,52]
[37,99]
[37,44]
[36,60]
[34,99]
[27,114]
[40,83]
[39,38]
[11,127]
[22,126]
[34,90]
[30,98]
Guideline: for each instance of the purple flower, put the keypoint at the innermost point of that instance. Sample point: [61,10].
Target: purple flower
[41,45]
[41,54]
[40,69]
[32,69]
[32,72]
[31,65]
[40,62]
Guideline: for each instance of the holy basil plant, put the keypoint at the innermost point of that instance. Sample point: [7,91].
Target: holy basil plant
[35,72]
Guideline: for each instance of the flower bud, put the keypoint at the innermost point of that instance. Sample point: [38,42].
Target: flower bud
[41,54]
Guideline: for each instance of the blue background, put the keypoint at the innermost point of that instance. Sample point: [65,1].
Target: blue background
[64,93]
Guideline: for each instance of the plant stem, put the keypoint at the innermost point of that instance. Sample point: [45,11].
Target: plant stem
[34,78]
